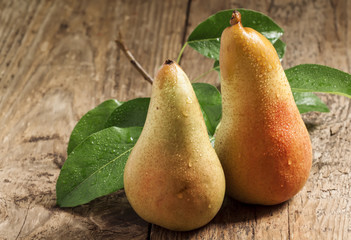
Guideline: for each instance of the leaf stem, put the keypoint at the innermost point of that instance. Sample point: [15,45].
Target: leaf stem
[120,43]
[181,52]
[202,75]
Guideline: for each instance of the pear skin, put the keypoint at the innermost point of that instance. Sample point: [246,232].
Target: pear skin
[173,177]
[262,141]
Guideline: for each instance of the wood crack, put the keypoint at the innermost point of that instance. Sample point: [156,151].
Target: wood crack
[254,224]
[149,227]
[186,24]
[335,21]
[288,221]
[24,222]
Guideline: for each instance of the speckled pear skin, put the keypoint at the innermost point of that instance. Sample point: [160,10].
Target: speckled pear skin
[262,141]
[173,177]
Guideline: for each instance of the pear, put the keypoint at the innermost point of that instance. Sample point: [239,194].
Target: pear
[262,141]
[173,177]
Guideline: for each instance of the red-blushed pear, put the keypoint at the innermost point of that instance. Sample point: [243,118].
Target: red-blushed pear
[173,177]
[262,141]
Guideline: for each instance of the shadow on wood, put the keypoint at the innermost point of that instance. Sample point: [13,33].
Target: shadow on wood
[111,216]
[233,219]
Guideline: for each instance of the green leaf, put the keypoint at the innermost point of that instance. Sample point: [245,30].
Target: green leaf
[93,121]
[95,167]
[308,102]
[206,36]
[318,78]
[261,23]
[129,114]
[210,103]
[280,47]
[209,47]
[216,65]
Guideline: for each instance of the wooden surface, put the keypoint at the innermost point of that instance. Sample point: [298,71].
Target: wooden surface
[58,60]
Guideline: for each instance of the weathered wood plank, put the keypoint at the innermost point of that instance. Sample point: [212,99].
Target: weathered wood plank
[315,32]
[58,60]
[193,63]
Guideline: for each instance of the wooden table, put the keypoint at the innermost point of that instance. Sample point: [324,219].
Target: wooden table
[58,60]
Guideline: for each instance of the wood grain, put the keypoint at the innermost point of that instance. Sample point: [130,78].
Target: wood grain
[58,60]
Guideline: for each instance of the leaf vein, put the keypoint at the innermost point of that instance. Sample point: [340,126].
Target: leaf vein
[113,160]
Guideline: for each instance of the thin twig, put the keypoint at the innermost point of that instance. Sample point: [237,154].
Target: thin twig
[135,63]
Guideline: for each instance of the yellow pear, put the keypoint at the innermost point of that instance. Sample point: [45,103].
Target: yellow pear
[262,141]
[173,177]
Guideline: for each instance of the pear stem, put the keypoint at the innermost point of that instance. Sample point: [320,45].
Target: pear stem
[120,43]
[236,18]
